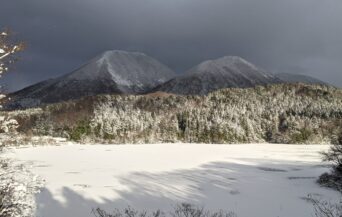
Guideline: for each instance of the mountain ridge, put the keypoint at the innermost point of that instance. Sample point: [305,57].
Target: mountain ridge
[211,75]
[299,78]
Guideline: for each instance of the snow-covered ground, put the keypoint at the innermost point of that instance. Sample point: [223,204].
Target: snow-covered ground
[255,180]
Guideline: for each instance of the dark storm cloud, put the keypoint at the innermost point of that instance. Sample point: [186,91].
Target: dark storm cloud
[299,36]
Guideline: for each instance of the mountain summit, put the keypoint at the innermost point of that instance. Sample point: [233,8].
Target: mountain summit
[111,72]
[211,75]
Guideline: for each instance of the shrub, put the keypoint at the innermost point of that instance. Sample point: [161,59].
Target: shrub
[181,210]
[82,128]
[325,208]
[331,180]
[302,136]
[334,155]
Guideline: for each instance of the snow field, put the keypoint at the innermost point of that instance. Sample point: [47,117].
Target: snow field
[254,180]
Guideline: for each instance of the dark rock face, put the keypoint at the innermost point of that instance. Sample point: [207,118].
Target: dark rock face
[226,72]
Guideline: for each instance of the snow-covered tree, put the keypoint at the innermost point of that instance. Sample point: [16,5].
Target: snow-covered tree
[9,47]
[300,114]
[334,156]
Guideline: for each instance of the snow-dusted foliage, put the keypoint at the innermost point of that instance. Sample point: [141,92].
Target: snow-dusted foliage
[334,156]
[279,113]
[17,189]
[8,124]
[180,210]
[290,114]
[15,199]
[8,49]
[326,208]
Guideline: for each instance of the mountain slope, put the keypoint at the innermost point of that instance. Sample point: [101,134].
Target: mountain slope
[299,78]
[211,75]
[111,72]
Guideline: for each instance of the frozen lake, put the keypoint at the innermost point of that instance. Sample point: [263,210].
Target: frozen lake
[259,180]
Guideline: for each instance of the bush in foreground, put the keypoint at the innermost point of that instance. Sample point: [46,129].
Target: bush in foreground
[334,155]
[17,189]
[326,209]
[181,210]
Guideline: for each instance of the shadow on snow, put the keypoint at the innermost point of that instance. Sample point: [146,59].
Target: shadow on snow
[248,188]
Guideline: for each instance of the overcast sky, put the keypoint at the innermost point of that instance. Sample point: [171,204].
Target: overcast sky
[297,36]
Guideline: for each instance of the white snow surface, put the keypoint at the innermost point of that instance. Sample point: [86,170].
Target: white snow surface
[254,180]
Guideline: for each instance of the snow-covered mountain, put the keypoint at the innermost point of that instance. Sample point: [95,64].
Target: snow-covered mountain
[121,72]
[111,72]
[299,78]
[211,75]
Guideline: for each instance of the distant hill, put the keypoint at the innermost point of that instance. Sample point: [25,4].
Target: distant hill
[111,72]
[211,75]
[299,78]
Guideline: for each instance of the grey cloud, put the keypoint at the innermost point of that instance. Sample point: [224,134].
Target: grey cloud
[300,36]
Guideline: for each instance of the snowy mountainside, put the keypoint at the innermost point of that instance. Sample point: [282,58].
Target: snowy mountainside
[299,78]
[111,72]
[211,75]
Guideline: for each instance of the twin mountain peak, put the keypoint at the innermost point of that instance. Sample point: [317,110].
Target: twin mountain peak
[122,72]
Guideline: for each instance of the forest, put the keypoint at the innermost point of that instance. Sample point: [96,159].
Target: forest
[283,113]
